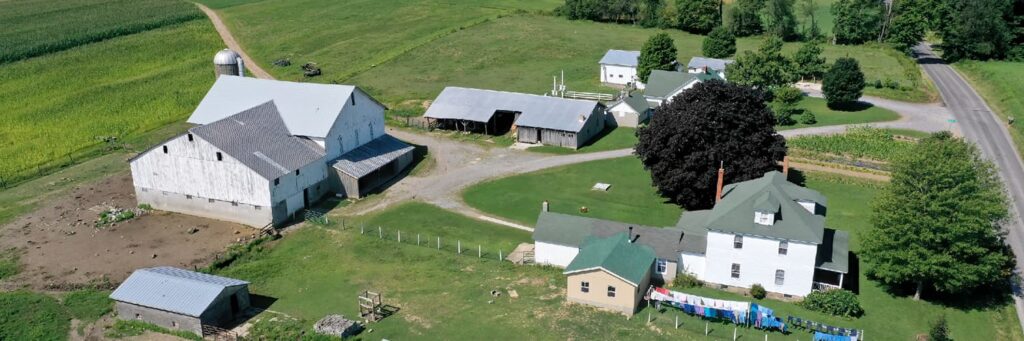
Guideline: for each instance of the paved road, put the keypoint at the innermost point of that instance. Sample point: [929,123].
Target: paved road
[229,40]
[981,125]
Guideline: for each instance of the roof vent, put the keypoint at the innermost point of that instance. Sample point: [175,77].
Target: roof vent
[583,118]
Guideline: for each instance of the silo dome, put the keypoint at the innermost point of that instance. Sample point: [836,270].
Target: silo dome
[226,57]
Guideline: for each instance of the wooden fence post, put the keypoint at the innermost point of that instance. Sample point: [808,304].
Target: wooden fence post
[438,243]
[380,231]
[479,251]
[677,321]
[399,236]
[417,239]
[460,247]
[499,254]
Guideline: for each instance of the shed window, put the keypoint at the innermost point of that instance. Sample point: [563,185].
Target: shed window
[220,157]
[257,207]
[210,200]
[780,277]
[174,324]
[190,139]
[188,196]
[277,181]
[661,266]
[296,172]
[737,242]
[165,149]
[611,291]
[735,270]
[585,287]
[138,316]
[783,247]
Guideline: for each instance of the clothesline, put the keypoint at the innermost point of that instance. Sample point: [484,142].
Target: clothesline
[743,313]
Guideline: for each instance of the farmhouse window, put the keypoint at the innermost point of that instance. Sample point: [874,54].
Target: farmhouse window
[735,270]
[190,138]
[210,200]
[257,207]
[585,287]
[220,157]
[661,266]
[780,277]
[165,149]
[611,291]
[783,247]
[188,196]
[737,242]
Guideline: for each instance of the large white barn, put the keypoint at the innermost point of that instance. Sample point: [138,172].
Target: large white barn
[262,150]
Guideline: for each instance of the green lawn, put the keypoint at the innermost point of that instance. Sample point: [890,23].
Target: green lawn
[26,315]
[611,139]
[631,197]
[122,88]
[1001,84]
[826,116]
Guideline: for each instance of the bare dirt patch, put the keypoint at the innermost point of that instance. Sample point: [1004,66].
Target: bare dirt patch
[61,248]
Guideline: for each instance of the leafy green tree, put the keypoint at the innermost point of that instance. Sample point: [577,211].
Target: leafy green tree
[784,104]
[937,223]
[857,21]
[778,19]
[710,123]
[809,62]
[809,27]
[767,68]
[720,43]
[843,83]
[658,53]
[908,25]
[650,12]
[745,18]
[698,16]
[976,29]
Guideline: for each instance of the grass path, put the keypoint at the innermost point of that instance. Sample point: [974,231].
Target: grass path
[229,40]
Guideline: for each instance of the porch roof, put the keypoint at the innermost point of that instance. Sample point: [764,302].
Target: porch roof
[834,252]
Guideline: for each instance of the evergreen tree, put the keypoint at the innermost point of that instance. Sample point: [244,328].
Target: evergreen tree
[778,18]
[809,62]
[658,53]
[765,69]
[936,225]
[939,330]
[745,20]
[976,29]
[698,16]
[713,122]
[857,21]
[843,83]
[908,25]
[784,104]
[720,43]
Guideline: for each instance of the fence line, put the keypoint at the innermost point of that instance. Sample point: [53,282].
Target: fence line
[397,237]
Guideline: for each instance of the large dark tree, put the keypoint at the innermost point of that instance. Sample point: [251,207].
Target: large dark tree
[720,43]
[658,53]
[976,29]
[857,21]
[745,18]
[843,83]
[710,124]
[937,223]
[698,16]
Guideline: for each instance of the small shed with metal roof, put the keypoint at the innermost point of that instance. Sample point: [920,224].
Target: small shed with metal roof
[629,111]
[181,299]
[371,165]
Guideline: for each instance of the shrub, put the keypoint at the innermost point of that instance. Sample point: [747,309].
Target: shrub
[843,83]
[808,118]
[892,84]
[837,302]
[720,43]
[686,281]
[878,84]
[757,291]
[939,330]
[784,104]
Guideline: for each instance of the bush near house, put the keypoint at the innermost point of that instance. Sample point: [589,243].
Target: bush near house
[757,291]
[838,302]
[686,281]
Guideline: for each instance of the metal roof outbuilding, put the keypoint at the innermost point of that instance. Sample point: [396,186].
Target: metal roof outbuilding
[172,289]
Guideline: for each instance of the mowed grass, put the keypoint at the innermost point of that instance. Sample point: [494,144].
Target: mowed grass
[631,197]
[57,107]
[348,37]
[827,116]
[36,27]
[522,53]
[1001,85]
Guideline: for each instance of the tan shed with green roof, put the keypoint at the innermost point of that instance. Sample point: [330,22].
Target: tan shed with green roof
[611,273]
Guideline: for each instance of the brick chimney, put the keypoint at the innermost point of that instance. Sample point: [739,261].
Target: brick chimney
[721,180]
[785,166]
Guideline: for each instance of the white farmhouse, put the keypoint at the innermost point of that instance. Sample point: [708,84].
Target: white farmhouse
[765,231]
[262,150]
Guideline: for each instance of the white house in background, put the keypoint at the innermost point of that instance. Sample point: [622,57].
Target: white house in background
[706,65]
[764,231]
[619,67]
[630,111]
[662,86]
[262,150]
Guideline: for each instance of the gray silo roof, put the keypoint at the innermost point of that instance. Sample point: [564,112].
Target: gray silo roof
[172,289]
[226,57]
[257,138]
[308,109]
[535,111]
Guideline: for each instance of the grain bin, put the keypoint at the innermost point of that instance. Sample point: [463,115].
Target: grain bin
[228,62]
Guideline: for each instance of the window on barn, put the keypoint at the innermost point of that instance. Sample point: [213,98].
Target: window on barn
[138,316]
[661,266]
[220,157]
[165,149]
[780,277]
[737,242]
[257,207]
[234,203]
[188,196]
[783,247]
[296,172]
[174,324]
[277,181]
[353,99]
[735,270]
[190,139]
[611,291]
[210,200]
[585,287]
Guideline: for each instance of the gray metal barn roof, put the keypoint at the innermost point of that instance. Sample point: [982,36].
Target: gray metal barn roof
[369,157]
[172,289]
[711,63]
[257,138]
[536,111]
[620,57]
[308,109]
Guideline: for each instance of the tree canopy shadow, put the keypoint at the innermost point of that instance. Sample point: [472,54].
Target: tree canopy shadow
[851,106]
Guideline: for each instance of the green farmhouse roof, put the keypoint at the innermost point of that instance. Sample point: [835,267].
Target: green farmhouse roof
[662,84]
[637,102]
[615,254]
[834,252]
[572,231]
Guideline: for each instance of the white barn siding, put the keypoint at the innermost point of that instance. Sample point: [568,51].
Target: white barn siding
[290,187]
[758,259]
[358,124]
[554,254]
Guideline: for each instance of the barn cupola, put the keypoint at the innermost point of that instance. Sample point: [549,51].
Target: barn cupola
[766,209]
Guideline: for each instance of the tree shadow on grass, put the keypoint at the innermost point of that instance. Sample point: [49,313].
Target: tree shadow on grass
[984,298]
[607,130]
[852,106]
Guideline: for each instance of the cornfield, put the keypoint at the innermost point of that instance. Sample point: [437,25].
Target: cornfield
[37,27]
[857,143]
